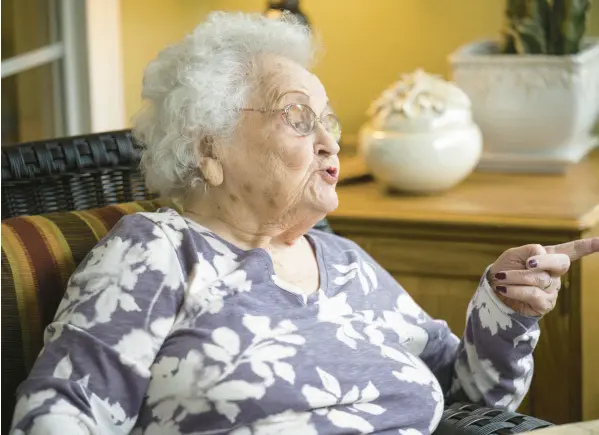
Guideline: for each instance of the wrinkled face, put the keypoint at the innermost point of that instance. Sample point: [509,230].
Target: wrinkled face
[270,166]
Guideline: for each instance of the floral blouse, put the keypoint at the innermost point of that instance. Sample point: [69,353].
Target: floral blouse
[165,328]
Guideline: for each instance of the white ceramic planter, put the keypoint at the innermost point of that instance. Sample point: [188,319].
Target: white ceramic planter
[536,112]
[421,162]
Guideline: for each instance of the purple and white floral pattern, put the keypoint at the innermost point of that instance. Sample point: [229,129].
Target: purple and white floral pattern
[167,329]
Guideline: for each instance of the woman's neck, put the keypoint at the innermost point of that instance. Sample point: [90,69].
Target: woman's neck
[246,228]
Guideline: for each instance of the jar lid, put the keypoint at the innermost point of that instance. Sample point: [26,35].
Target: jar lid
[420,100]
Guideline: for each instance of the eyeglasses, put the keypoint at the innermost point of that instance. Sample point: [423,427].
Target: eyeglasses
[303,120]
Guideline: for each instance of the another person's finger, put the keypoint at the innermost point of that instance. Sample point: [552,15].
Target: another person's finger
[554,264]
[576,249]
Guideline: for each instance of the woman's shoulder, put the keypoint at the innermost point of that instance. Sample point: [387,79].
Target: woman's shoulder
[341,250]
[334,242]
[138,242]
[164,223]
[164,217]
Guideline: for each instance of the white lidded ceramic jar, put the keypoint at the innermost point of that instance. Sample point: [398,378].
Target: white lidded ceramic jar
[421,138]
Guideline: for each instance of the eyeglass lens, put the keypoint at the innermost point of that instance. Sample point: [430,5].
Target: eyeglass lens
[303,119]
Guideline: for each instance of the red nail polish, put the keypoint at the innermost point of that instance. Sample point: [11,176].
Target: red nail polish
[500,275]
[501,289]
[532,263]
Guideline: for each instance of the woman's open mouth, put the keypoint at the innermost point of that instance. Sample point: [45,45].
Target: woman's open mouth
[330,175]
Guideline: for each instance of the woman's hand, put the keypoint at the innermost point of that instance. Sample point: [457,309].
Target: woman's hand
[527,278]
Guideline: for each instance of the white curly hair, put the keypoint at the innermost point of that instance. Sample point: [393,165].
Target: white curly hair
[193,91]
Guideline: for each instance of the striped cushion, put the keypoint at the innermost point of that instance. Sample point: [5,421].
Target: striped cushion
[39,253]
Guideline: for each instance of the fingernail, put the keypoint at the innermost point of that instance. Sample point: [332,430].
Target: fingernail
[532,263]
[501,288]
[500,275]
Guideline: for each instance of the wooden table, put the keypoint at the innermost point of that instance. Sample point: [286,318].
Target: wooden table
[584,428]
[438,246]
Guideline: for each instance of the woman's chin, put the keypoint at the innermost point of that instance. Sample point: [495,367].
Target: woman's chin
[328,202]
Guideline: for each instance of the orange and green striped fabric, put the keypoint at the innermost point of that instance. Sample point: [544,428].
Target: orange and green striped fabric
[39,254]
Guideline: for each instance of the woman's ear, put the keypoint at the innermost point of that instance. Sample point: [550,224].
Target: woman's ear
[209,163]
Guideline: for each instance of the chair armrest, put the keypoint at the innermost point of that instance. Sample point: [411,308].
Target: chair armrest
[469,419]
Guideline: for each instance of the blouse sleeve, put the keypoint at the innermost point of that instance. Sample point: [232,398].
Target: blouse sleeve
[120,305]
[492,364]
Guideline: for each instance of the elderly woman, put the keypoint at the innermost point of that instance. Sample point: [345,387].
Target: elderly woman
[236,316]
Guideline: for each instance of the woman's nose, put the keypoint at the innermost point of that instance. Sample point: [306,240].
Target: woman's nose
[325,144]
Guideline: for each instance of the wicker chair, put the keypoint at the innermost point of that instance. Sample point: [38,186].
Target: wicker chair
[75,173]
[96,171]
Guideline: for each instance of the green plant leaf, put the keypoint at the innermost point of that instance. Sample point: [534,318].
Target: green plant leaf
[531,37]
[573,25]
[544,26]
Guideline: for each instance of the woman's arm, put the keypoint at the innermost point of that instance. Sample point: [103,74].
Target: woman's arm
[120,304]
[492,364]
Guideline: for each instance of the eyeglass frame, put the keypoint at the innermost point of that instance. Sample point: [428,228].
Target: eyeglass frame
[285,111]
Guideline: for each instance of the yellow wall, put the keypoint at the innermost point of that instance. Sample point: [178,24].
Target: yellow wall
[368,43]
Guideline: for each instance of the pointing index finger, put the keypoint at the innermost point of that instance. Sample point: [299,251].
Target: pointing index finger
[576,249]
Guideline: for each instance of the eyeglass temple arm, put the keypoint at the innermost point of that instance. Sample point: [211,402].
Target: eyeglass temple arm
[246,109]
